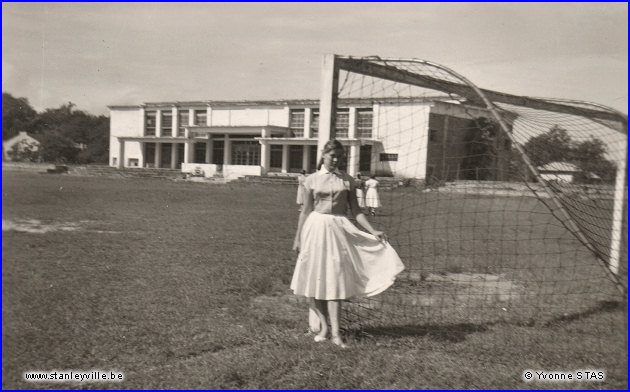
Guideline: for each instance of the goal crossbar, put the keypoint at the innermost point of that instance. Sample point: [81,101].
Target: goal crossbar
[366,67]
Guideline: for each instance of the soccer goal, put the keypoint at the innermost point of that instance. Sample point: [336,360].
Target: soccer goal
[502,207]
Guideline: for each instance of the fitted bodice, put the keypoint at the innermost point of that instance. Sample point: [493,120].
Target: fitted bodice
[330,191]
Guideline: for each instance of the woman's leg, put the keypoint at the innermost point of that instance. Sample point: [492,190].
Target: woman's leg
[319,307]
[334,308]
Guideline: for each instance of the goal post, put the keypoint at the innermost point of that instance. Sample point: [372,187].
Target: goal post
[484,185]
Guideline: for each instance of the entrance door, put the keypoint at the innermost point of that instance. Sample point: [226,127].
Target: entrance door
[295,158]
[365,159]
[149,154]
[217,152]
[275,161]
[166,155]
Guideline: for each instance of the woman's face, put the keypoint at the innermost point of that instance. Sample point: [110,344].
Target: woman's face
[332,159]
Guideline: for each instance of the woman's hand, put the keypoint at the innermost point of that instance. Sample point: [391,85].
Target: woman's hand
[296,245]
[380,235]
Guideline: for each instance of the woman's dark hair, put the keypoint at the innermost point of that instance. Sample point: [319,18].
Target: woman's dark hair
[331,145]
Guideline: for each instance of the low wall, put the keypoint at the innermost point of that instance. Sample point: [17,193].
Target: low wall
[229,172]
[27,166]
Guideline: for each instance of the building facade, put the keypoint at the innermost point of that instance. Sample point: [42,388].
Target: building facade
[387,137]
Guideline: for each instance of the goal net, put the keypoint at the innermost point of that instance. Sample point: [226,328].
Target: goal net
[502,207]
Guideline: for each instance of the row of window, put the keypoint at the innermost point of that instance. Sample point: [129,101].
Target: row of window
[166,117]
[342,123]
[296,122]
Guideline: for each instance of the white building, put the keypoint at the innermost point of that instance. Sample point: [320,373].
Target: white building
[559,171]
[401,137]
[19,144]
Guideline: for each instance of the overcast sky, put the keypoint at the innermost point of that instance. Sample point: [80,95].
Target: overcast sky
[99,54]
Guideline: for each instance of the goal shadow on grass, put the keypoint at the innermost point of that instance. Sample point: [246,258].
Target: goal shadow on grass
[444,333]
[600,308]
[458,332]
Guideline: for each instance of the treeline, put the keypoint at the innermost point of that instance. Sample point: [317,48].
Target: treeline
[589,155]
[65,134]
[486,151]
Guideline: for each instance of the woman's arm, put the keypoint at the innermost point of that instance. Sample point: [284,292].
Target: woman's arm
[360,217]
[307,208]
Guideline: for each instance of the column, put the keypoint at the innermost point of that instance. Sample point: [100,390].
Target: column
[175,115]
[227,150]
[143,149]
[352,128]
[121,154]
[209,149]
[189,146]
[307,123]
[285,158]
[306,157]
[158,123]
[353,159]
[158,154]
[173,155]
[265,157]
[143,130]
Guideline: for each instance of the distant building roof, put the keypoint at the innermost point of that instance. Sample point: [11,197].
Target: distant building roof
[559,167]
[19,139]
[286,102]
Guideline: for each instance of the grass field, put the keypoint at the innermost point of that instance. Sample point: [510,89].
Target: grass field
[185,285]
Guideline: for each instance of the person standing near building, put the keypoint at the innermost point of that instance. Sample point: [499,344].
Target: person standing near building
[299,199]
[360,184]
[372,201]
[337,261]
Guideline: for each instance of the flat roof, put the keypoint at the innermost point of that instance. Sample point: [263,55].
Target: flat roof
[283,102]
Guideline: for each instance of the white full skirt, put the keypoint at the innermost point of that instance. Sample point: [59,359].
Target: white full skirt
[339,261]
[371,198]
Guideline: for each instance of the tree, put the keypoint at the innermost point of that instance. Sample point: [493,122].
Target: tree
[60,131]
[65,128]
[17,116]
[590,157]
[553,146]
[557,146]
[58,148]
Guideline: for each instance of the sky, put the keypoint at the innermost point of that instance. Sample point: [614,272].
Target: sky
[100,54]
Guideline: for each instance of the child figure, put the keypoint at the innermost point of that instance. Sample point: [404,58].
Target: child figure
[372,201]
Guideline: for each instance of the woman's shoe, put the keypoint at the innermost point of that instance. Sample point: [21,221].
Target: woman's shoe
[338,342]
[319,338]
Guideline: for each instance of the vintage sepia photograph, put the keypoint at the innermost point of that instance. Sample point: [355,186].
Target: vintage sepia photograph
[325,196]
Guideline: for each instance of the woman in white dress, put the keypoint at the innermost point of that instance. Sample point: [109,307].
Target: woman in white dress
[372,201]
[359,184]
[336,260]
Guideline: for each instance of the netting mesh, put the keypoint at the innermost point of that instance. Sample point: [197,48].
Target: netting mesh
[515,213]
